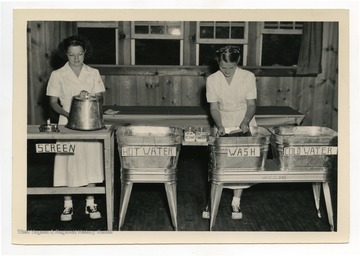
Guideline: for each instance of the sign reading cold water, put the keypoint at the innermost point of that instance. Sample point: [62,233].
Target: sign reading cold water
[65,148]
[243,151]
[310,151]
[148,151]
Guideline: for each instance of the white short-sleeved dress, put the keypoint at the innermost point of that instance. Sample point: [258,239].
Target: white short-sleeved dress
[85,166]
[232,97]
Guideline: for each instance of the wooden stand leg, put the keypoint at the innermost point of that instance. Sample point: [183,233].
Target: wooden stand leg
[109,180]
[328,204]
[316,190]
[216,191]
[170,188]
[126,188]
[206,213]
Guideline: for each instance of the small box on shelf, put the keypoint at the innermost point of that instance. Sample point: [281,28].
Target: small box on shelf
[196,136]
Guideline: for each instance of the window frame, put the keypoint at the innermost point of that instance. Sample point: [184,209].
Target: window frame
[104,24]
[278,31]
[135,36]
[252,42]
[157,36]
[244,41]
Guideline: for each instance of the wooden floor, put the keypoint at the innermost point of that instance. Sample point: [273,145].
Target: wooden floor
[265,207]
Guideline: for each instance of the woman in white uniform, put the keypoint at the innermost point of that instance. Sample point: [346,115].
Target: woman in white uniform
[231,92]
[85,166]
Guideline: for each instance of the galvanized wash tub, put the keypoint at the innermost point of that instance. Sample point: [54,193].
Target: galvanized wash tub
[303,147]
[148,147]
[240,153]
[148,154]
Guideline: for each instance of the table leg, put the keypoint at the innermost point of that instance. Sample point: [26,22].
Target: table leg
[170,188]
[112,152]
[126,187]
[326,191]
[206,213]
[316,191]
[215,196]
[109,181]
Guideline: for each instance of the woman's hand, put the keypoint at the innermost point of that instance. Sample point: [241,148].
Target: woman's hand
[250,112]
[244,126]
[54,103]
[84,94]
[221,131]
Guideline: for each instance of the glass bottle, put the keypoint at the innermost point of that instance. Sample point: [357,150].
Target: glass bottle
[201,136]
[189,135]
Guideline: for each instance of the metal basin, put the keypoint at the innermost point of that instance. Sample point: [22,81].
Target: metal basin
[239,153]
[304,147]
[144,147]
[85,113]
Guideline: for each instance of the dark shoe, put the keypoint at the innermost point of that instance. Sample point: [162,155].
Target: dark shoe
[92,211]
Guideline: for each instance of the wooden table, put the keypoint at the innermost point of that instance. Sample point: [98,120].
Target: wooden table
[231,178]
[185,116]
[107,136]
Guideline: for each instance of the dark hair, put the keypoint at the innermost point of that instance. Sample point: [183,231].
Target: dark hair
[228,54]
[75,40]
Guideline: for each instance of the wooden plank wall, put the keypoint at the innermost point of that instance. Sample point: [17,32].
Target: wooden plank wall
[153,86]
[316,97]
[43,38]
[326,83]
[165,90]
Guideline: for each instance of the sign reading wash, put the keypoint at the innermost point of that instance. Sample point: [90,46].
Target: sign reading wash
[243,151]
[148,151]
[310,151]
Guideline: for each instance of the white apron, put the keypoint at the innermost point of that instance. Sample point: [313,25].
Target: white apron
[85,166]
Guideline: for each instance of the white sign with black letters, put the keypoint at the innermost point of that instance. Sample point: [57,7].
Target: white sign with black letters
[243,151]
[310,151]
[65,148]
[148,151]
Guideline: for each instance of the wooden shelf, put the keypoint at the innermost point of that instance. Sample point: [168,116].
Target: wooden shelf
[194,143]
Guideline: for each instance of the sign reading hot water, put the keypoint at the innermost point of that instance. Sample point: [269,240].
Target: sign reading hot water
[148,151]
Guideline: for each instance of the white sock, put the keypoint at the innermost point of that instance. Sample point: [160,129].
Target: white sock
[68,203]
[90,202]
[235,201]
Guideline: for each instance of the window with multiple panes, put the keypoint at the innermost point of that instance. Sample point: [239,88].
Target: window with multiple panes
[157,42]
[280,43]
[212,35]
[162,42]
[104,39]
